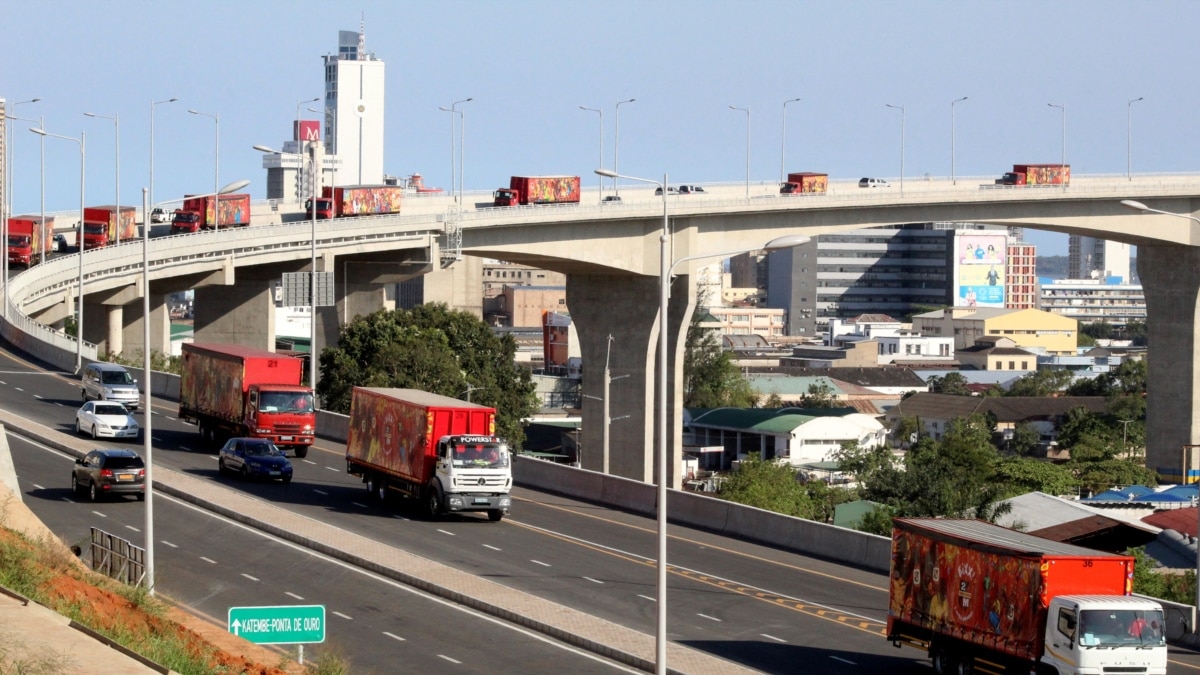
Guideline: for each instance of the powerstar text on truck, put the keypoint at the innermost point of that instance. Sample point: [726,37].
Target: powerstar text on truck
[434,448]
[526,190]
[28,237]
[231,390]
[983,598]
[356,200]
[107,225]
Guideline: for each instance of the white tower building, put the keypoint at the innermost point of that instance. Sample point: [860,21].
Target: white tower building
[1091,258]
[354,107]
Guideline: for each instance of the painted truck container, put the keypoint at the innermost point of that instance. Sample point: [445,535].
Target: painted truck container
[1037,174]
[345,201]
[28,237]
[196,213]
[437,449]
[805,182]
[107,225]
[526,190]
[976,595]
[231,390]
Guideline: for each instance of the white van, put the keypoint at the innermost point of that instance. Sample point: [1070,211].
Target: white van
[110,382]
[872,182]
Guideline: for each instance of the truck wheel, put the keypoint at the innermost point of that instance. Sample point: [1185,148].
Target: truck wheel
[965,666]
[943,664]
[433,502]
[495,515]
[301,451]
[376,489]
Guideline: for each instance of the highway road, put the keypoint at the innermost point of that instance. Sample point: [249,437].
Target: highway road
[763,608]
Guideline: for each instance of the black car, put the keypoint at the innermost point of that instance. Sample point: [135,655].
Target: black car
[691,190]
[611,199]
[106,471]
[254,458]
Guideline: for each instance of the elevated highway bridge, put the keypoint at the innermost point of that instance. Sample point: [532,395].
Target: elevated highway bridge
[610,253]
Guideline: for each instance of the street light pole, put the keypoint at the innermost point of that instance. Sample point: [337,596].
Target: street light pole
[747,111]
[8,201]
[953,178]
[82,141]
[600,111]
[301,141]
[617,144]
[783,141]
[1062,107]
[453,109]
[216,117]
[901,109]
[117,152]
[152,104]
[1129,137]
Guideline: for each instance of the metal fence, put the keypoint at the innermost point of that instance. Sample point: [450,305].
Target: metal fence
[117,558]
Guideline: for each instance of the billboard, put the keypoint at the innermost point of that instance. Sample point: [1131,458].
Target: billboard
[980,263]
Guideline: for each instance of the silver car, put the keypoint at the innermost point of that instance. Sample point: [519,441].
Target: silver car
[102,419]
[110,382]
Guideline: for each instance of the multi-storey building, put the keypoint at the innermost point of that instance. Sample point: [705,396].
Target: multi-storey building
[1093,300]
[762,321]
[1091,258]
[1031,329]
[1021,281]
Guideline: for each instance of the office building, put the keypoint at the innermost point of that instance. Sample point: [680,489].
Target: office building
[1091,258]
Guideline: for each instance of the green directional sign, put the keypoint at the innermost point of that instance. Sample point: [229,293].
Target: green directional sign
[287,624]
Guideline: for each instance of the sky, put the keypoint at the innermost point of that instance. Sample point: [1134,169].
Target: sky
[529,65]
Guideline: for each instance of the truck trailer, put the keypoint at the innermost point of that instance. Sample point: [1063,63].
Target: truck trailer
[107,225]
[983,598]
[231,390]
[196,213]
[28,239]
[1037,174]
[437,449]
[526,190]
[344,201]
[805,182]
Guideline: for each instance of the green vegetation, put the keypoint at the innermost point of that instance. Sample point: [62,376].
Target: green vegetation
[1171,587]
[710,379]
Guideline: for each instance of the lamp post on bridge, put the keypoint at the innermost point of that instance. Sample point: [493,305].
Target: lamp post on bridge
[901,109]
[600,111]
[116,120]
[8,195]
[783,140]
[1129,137]
[152,105]
[453,110]
[953,178]
[747,111]
[617,144]
[1062,107]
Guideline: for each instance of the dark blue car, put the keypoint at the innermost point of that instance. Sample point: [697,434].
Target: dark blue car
[254,458]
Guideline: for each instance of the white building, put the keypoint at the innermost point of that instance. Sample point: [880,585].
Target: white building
[1093,300]
[896,342]
[1091,258]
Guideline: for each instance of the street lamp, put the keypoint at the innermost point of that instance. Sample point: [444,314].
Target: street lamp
[312,283]
[296,133]
[4,235]
[666,269]
[8,173]
[8,195]
[331,159]
[82,141]
[1062,107]
[783,140]
[901,109]
[216,117]
[617,144]
[1129,137]
[747,111]
[152,104]
[117,152]
[600,111]
[953,179]
[147,425]
[453,109]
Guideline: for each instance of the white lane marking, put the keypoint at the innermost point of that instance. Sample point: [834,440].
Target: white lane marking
[99,514]
[321,492]
[164,541]
[38,487]
[400,517]
[492,547]
[393,636]
[185,448]
[208,560]
[170,418]
[446,532]
[594,581]
[251,578]
[344,616]
[646,597]
[539,562]
[838,658]
[360,505]
[772,637]
[19,389]
[37,396]
[293,595]
[130,527]
[330,468]
[308,461]
[443,656]
[710,618]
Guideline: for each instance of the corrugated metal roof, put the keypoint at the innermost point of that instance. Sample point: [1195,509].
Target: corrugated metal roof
[982,534]
[422,397]
[761,420]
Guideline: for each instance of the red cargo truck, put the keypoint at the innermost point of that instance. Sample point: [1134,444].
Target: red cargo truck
[231,390]
[356,200]
[983,598]
[525,190]
[107,225]
[434,448]
[805,182]
[196,213]
[28,237]
[1037,174]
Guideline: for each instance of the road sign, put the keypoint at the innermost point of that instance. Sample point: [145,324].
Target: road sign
[287,624]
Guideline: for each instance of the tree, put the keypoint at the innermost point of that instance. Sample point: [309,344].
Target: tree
[770,486]
[710,379]
[907,430]
[951,383]
[435,349]
[820,395]
[1026,440]
[1041,383]
[1023,474]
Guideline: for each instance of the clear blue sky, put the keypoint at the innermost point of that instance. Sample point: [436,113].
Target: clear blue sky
[529,65]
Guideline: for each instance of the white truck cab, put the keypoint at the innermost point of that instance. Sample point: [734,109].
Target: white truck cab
[1105,634]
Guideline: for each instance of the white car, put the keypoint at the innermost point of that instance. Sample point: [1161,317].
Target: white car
[105,419]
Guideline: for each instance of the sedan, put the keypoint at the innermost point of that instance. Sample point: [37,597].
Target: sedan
[59,243]
[105,419]
[254,458]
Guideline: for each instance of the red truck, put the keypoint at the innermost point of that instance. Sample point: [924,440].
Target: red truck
[28,239]
[1037,174]
[805,182]
[344,201]
[983,598]
[231,390]
[525,190]
[437,449]
[196,213]
[106,225]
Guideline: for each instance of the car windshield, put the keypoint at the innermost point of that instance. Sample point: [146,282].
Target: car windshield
[286,401]
[124,463]
[1120,627]
[116,377]
[110,410]
[480,455]
[260,449]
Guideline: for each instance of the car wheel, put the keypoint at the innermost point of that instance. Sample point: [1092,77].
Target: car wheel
[221,468]
[287,479]
[83,394]
[93,432]
[245,472]
[74,484]
[141,496]
[93,493]
[78,428]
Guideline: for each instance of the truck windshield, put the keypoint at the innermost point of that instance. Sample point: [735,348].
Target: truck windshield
[480,455]
[186,218]
[286,402]
[94,228]
[18,241]
[1121,628]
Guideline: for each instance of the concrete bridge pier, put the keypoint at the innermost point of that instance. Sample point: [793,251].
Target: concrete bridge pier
[627,308]
[1170,276]
[242,313]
